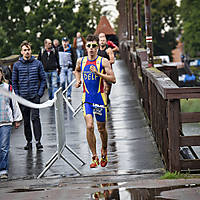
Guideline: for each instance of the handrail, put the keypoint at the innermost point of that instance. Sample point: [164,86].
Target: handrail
[9,60]
[160,98]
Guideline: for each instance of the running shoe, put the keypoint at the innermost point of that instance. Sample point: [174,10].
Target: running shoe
[104,159]
[95,162]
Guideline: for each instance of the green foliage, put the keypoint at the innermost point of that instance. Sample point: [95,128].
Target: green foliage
[88,16]
[44,19]
[82,18]
[5,47]
[164,24]
[177,175]
[190,15]
[190,105]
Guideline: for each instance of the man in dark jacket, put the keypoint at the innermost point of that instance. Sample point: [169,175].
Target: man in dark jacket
[29,81]
[49,57]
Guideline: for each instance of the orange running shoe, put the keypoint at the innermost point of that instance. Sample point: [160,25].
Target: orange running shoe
[104,159]
[95,162]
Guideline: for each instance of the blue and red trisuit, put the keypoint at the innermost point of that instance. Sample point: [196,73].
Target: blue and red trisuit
[94,98]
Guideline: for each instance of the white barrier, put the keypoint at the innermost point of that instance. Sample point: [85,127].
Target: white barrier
[59,118]
[75,111]
[25,102]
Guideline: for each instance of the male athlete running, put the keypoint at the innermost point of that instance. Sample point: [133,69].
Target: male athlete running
[90,71]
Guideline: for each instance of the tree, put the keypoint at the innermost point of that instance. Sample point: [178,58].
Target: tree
[190,15]
[12,25]
[82,17]
[87,16]
[164,25]
[95,13]
[35,20]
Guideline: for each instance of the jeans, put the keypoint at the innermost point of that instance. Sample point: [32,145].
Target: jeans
[66,73]
[51,78]
[31,114]
[5,132]
[79,53]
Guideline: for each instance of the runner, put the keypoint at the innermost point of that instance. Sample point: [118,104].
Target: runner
[110,44]
[94,69]
[106,52]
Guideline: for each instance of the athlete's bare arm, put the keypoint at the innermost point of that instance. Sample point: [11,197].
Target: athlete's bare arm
[109,76]
[113,46]
[115,49]
[110,53]
[78,73]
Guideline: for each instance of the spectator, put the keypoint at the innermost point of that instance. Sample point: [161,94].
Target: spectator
[79,45]
[29,82]
[9,113]
[67,64]
[49,57]
[56,43]
[7,74]
[110,44]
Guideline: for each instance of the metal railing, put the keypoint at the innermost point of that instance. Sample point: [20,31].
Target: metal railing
[59,120]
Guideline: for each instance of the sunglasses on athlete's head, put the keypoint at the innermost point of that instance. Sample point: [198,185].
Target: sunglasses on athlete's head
[92,45]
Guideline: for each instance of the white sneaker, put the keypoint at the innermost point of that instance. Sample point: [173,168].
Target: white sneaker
[69,99]
[4,176]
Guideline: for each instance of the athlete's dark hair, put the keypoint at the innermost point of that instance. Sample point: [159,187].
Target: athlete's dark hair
[91,38]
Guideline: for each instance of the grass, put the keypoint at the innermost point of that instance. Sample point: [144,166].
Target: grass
[190,105]
[178,175]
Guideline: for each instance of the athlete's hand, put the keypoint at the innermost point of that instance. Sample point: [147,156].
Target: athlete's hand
[78,84]
[93,69]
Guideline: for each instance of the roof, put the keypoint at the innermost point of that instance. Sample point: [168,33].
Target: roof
[104,27]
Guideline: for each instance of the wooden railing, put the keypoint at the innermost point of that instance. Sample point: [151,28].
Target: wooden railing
[9,61]
[160,98]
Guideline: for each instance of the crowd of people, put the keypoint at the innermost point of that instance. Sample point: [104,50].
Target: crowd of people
[53,68]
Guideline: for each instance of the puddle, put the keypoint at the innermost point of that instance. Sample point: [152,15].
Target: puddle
[115,192]
[106,193]
[26,190]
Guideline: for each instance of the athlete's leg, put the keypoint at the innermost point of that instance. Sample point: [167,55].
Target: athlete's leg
[90,134]
[104,136]
[107,88]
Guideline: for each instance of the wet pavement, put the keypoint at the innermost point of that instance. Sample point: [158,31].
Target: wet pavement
[134,164]
[131,146]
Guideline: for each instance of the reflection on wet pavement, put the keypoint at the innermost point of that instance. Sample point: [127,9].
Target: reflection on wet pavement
[106,193]
[116,191]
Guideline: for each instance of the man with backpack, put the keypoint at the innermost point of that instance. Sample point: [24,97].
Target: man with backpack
[48,55]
